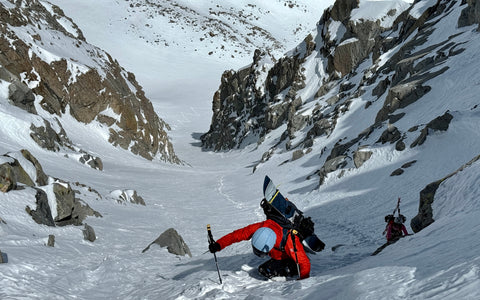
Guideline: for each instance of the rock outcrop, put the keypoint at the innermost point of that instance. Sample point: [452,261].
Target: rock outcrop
[67,210]
[89,233]
[255,100]
[87,84]
[3,258]
[390,59]
[425,214]
[173,241]
[127,196]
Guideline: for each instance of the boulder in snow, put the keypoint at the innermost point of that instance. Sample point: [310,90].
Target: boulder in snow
[7,178]
[89,233]
[57,206]
[360,157]
[92,161]
[125,196]
[51,240]
[173,241]
[3,258]
[441,123]
[21,96]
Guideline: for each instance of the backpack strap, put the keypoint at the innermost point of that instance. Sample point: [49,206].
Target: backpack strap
[284,239]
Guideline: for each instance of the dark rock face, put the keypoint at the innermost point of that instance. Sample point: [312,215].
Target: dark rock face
[69,210]
[341,9]
[440,123]
[47,138]
[42,214]
[351,52]
[3,258]
[85,91]
[425,214]
[242,110]
[12,173]
[390,135]
[470,14]
[401,96]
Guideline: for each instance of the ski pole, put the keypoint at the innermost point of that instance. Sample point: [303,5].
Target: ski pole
[211,241]
[293,233]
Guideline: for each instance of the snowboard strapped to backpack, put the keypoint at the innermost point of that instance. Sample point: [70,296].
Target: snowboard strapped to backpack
[400,219]
[392,217]
[277,208]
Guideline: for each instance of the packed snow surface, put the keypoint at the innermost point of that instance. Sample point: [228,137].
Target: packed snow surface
[440,262]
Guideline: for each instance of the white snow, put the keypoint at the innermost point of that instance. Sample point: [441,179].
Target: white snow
[371,9]
[440,262]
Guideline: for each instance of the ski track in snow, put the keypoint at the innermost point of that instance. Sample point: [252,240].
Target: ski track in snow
[440,262]
[220,190]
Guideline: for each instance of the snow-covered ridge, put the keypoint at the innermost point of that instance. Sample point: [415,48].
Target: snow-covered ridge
[53,71]
[224,30]
[369,75]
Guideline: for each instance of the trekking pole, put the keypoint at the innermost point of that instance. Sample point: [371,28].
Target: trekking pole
[211,241]
[293,233]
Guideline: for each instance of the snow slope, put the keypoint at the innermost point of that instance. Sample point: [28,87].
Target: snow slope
[440,262]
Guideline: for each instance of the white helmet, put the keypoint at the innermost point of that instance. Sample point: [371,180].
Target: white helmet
[263,241]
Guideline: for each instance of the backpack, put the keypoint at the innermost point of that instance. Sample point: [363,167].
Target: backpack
[396,229]
[279,209]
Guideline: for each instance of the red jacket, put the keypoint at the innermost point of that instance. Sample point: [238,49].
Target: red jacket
[395,231]
[247,232]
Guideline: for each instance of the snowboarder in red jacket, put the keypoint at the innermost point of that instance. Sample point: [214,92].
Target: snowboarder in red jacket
[266,239]
[395,229]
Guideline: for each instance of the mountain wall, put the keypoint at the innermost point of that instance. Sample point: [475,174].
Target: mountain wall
[262,97]
[378,69]
[51,71]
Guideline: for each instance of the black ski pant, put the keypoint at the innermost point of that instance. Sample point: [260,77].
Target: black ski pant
[275,268]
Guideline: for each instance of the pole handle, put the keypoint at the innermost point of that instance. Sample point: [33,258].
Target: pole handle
[210,236]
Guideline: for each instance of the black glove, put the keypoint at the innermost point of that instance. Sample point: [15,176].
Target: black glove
[214,247]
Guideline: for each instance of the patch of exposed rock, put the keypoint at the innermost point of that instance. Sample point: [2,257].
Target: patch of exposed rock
[248,105]
[21,169]
[95,89]
[173,241]
[427,197]
[127,196]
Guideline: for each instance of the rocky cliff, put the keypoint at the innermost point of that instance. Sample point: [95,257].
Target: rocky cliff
[51,71]
[357,66]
